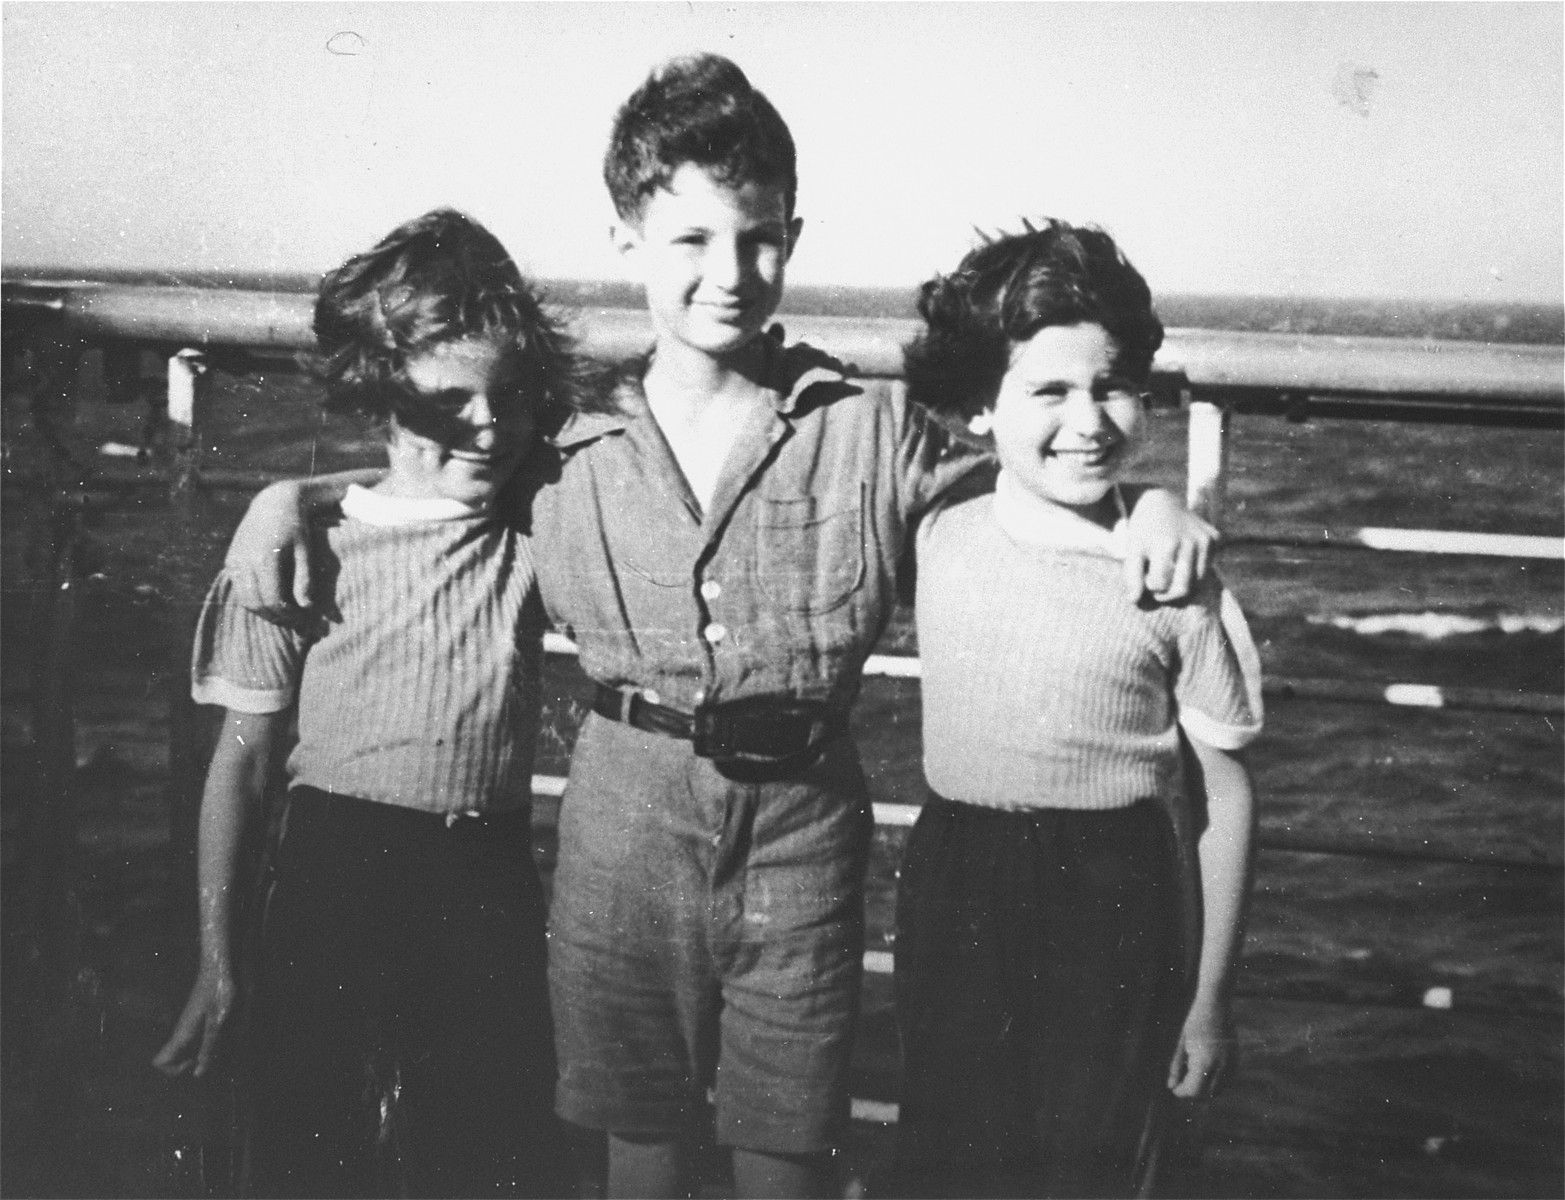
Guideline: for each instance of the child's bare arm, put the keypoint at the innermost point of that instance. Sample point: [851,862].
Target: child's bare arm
[268,558]
[1170,548]
[235,784]
[1206,1045]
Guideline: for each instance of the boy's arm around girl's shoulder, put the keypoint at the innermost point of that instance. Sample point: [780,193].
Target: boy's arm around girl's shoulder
[1169,550]
[939,461]
[230,809]
[268,557]
[927,458]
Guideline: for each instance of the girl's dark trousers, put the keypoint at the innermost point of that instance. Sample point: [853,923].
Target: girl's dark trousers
[1040,995]
[403,1044]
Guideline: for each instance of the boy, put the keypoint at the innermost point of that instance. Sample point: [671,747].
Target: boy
[724,551]
[1042,965]
[403,942]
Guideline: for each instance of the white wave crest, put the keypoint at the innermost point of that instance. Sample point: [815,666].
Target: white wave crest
[1435,625]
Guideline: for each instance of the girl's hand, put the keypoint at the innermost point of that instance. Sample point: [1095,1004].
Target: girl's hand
[194,1041]
[268,558]
[1206,1053]
[1169,548]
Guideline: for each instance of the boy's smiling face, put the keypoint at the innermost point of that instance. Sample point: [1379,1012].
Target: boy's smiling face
[1065,422]
[712,257]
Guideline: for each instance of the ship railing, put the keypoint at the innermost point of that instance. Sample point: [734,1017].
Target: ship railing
[1214,374]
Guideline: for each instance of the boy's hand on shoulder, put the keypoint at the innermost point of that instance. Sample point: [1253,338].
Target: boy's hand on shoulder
[268,559]
[1206,1054]
[1169,549]
[193,1045]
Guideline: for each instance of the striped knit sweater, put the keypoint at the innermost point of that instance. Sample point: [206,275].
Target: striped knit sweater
[1043,685]
[420,685]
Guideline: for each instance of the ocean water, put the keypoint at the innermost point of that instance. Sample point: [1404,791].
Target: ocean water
[1382,1095]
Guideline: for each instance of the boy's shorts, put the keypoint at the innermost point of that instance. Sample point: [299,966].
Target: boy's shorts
[707,934]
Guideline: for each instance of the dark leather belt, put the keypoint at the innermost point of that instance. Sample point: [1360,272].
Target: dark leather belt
[763,731]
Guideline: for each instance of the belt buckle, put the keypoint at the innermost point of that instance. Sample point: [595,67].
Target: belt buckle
[712,733]
[742,729]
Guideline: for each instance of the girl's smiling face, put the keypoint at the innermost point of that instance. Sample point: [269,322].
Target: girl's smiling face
[1065,423]
[473,413]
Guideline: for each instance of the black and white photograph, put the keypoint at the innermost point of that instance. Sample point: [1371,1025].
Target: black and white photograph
[865,600]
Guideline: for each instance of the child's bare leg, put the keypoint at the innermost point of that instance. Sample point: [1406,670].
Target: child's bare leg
[800,1176]
[643,1166]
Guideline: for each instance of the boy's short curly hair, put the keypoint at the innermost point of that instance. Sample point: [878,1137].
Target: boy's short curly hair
[1006,290]
[700,110]
[438,278]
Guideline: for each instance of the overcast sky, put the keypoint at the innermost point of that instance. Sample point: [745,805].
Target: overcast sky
[1291,149]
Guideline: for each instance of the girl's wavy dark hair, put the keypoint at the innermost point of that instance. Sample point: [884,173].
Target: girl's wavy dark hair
[438,278]
[702,110]
[1006,290]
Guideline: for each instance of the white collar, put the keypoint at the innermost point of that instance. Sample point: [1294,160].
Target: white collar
[1033,521]
[377,508]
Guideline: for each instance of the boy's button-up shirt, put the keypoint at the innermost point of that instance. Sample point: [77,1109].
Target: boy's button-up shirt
[783,586]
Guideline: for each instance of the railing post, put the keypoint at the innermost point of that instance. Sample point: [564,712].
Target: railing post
[186,393]
[1206,478]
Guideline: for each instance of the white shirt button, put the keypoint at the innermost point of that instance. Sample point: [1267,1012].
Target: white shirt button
[715,632]
[711,589]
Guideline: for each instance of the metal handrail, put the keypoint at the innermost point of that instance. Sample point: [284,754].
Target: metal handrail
[1256,369]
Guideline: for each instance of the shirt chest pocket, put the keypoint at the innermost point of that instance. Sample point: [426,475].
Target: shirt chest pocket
[810,551]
